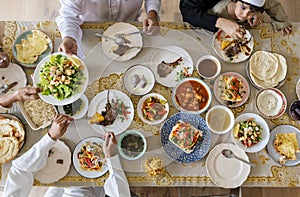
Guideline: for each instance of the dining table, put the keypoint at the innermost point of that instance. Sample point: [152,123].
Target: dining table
[105,73]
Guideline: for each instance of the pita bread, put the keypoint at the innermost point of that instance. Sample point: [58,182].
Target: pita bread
[9,148]
[30,49]
[263,65]
[278,76]
[16,128]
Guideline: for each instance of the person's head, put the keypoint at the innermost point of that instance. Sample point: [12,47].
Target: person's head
[245,9]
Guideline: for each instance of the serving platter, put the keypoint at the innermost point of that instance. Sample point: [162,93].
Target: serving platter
[41,56]
[170,54]
[58,164]
[50,98]
[219,87]
[227,172]
[175,153]
[98,105]
[270,146]
[77,166]
[217,42]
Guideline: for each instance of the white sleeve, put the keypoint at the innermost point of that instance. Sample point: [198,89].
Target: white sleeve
[70,19]
[20,176]
[153,5]
[116,184]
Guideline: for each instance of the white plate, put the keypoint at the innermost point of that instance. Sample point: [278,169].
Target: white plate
[54,170]
[265,133]
[140,71]
[227,172]
[298,89]
[241,56]
[11,74]
[83,108]
[135,39]
[170,54]
[219,86]
[86,173]
[98,105]
[271,150]
[51,99]
[140,105]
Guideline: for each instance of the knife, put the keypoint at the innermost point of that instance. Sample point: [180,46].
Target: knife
[10,86]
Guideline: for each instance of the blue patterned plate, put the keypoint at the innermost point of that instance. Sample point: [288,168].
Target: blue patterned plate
[176,153]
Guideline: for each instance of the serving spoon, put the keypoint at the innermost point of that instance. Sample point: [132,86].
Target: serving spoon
[229,154]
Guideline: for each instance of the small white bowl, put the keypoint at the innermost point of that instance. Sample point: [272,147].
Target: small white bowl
[266,99]
[135,133]
[83,108]
[220,114]
[140,106]
[139,71]
[208,67]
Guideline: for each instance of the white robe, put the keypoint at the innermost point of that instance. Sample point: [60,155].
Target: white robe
[74,12]
[20,177]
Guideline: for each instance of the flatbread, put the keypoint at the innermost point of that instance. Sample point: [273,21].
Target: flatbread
[9,148]
[279,76]
[30,49]
[16,126]
[263,65]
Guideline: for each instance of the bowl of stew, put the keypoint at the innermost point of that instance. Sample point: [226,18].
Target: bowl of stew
[191,95]
[132,144]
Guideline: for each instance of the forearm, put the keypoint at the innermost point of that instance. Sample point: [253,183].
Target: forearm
[153,5]
[276,12]
[7,100]
[70,19]
[20,177]
[116,185]
[195,13]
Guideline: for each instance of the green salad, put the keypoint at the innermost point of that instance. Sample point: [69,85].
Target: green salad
[61,76]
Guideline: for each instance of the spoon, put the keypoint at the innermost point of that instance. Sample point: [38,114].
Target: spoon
[229,154]
[4,88]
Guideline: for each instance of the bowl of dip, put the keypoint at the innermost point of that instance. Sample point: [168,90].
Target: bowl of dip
[219,119]
[208,67]
[270,103]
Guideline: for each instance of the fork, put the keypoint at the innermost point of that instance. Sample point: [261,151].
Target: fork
[118,40]
[122,35]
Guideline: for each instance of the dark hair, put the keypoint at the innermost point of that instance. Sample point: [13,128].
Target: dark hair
[252,7]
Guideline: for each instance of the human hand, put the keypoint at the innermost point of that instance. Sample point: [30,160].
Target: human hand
[286,30]
[231,28]
[68,46]
[150,24]
[256,19]
[59,126]
[109,146]
[4,60]
[26,93]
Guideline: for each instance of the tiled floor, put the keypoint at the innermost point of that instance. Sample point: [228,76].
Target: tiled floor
[48,10]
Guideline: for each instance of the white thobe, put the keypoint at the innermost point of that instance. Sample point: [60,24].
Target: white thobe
[20,177]
[74,12]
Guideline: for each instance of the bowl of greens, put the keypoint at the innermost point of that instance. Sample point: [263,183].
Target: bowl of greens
[77,109]
[62,78]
